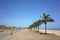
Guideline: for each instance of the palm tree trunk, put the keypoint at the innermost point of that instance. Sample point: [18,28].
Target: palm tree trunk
[38,28]
[45,28]
[31,28]
[34,28]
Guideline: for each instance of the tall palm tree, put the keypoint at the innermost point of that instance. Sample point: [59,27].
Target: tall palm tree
[31,26]
[46,18]
[38,23]
[35,24]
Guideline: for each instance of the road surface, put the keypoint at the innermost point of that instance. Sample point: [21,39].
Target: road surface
[7,33]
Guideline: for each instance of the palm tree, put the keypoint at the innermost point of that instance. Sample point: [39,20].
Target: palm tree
[31,26]
[37,24]
[34,25]
[45,19]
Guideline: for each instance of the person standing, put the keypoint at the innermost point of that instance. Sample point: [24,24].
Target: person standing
[11,29]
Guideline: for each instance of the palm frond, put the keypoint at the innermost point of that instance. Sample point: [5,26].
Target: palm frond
[48,15]
[44,15]
[50,20]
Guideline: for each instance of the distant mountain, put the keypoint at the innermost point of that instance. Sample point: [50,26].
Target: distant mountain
[2,27]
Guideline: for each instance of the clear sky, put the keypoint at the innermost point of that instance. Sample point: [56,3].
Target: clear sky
[25,12]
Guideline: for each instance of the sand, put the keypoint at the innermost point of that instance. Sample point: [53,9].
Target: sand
[33,35]
[57,32]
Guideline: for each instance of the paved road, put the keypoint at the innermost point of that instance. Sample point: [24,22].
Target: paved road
[7,33]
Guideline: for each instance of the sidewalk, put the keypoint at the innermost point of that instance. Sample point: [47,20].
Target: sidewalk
[32,35]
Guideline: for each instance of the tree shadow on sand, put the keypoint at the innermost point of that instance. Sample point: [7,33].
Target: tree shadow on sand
[48,34]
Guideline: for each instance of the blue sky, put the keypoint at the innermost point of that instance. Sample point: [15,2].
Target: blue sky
[25,12]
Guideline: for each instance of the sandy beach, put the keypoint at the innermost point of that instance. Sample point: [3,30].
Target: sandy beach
[57,32]
[33,35]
